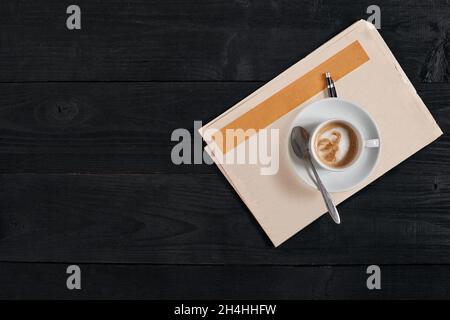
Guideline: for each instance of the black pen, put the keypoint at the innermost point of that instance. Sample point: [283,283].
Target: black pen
[330,85]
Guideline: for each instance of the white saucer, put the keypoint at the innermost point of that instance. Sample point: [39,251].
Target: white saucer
[332,108]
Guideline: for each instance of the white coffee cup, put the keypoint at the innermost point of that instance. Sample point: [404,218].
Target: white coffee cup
[361,144]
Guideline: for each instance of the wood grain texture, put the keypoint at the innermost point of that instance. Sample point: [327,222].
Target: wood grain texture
[198,40]
[162,218]
[127,127]
[86,177]
[47,281]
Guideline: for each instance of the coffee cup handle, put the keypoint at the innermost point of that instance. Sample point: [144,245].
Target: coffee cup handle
[372,143]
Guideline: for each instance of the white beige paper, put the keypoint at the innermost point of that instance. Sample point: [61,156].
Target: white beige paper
[282,203]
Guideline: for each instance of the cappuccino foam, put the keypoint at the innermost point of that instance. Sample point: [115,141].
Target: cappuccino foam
[336,144]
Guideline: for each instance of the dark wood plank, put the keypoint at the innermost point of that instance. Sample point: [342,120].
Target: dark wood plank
[48,281]
[197,40]
[161,218]
[126,127]
[98,127]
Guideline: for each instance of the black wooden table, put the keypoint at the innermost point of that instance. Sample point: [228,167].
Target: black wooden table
[86,176]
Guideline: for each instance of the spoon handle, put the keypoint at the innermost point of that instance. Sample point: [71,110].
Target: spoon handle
[326,196]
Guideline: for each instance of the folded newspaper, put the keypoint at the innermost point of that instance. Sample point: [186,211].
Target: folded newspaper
[365,72]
